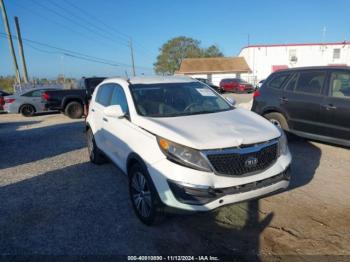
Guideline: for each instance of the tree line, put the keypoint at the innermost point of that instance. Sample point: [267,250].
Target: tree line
[176,49]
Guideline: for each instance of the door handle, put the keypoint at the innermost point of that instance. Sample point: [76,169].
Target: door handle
[284,99]
[330,107]
[105,119]
[92,110]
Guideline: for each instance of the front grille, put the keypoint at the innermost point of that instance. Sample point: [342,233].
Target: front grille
[243,161]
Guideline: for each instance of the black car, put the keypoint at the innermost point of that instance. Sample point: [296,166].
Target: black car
[207,82]
[72,102]
[311,102]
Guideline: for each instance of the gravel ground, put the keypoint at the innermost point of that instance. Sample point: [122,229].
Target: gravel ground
[53,201]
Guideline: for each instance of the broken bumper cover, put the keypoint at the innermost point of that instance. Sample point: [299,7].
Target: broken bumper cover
[192,195]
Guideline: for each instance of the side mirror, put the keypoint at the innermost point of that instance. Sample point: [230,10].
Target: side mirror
[114,111]
[231,100]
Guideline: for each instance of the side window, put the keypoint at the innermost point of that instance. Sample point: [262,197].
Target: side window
[119,98]
[29,94]
[311,82]
[35,93]
[104,94]
[277,81]
[340,84]
[291,84]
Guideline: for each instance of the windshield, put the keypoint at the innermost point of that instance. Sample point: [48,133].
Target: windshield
[176,99]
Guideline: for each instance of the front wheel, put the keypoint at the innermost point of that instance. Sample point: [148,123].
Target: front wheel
[144,197]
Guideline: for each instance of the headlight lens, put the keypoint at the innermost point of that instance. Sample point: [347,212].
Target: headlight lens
[183,155]
[282,144]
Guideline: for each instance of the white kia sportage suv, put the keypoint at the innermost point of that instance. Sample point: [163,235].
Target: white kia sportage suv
[183,145]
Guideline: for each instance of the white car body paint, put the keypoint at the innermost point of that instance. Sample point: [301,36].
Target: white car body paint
[118,138]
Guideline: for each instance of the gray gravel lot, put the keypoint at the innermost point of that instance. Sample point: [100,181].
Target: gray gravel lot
[53,201]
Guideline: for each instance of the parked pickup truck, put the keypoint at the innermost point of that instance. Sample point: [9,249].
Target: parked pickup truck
[72,101]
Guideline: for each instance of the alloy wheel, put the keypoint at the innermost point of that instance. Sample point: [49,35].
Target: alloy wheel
[141,195]
[27,110]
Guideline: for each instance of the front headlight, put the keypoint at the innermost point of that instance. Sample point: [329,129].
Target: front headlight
[183,155]
[282,144]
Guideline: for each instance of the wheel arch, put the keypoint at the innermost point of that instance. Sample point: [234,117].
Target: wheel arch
[132,159]
[269,110]
[69,99]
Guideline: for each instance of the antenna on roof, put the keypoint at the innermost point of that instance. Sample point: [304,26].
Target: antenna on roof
[324,30]
[126,74]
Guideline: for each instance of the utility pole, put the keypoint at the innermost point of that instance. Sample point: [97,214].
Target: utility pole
[132,57]
[21,51]
[9,37]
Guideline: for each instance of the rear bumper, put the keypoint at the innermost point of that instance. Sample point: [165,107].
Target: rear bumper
[10,108]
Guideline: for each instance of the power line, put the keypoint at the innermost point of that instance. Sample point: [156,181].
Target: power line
[69,28]
[73,21]
[74,53]
[74,16]
[84,12]
[68,54]
[111,28]
[38,14]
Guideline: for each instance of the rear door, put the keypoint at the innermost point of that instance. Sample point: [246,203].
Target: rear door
[34,98]
[336,107]
[302,99]
[273,90]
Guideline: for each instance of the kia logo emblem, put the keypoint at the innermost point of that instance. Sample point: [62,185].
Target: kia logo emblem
[251,162]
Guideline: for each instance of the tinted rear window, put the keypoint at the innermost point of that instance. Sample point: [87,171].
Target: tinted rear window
[311,82]
[277,81]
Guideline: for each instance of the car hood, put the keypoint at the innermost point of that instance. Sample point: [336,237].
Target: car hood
[212,131]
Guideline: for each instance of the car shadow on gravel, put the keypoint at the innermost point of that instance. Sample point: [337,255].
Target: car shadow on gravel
[306,159]
[25,145]
[13,126]
[85,209]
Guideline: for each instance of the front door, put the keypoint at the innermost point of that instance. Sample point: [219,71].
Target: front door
[118,130]
[102,100]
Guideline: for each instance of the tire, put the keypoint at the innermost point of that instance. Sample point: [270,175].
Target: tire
[95,154]
[144,197]
[278,120]
[74,110]
[27,110]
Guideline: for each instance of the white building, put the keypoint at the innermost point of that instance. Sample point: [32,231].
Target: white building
[265,59]
[214,69]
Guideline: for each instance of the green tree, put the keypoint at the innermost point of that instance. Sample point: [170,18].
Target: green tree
[212,51]
[6,83]
[175,50]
